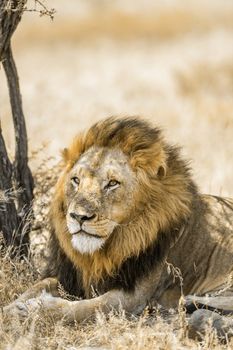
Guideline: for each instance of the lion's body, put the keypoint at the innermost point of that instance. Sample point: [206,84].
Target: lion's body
[129,224]
[204,252]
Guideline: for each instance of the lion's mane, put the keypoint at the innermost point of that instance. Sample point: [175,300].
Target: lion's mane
[166,193]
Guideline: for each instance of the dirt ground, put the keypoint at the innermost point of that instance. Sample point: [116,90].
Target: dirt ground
[168,61]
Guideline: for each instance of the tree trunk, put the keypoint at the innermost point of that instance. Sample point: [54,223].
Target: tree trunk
[8,215]
[15,211]
[22,174]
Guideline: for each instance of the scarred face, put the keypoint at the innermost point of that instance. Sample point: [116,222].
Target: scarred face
[100,193]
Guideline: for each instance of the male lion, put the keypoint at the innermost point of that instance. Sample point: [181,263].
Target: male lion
[126,212]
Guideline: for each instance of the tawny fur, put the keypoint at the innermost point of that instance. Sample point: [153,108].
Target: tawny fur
[172,241]
[147,152]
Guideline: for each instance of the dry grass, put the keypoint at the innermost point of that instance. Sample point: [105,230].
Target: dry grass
[213,80]
[38,331]
[116,331]
[160,25]
[209,89]
[172,64]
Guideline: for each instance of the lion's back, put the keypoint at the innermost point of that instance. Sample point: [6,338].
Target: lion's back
[220,215]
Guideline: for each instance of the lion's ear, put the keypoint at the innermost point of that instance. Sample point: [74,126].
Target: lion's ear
[161,172]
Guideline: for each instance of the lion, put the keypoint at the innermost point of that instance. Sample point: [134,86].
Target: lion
[125,215]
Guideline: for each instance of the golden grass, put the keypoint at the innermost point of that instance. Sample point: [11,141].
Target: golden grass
[207,79]
[118,25]
[209,88]
[116,331]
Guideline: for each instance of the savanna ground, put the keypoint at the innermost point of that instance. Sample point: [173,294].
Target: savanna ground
[171,62]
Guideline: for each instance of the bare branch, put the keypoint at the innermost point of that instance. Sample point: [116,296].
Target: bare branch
[42,9]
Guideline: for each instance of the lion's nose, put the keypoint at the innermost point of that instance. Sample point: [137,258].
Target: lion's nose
[82,218]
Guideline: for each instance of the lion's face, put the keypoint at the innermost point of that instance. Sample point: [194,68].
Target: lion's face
[100,195]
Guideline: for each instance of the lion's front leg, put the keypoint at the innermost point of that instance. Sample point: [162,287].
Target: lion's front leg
[70,311]
[44,296]
[131,302]
[85,309]
[112,300]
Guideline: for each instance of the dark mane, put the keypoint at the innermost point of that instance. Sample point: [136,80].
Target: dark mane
[131,271]
[167,201]
[60,266]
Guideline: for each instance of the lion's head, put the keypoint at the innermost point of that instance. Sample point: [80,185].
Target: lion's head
[121,185]
[100,195]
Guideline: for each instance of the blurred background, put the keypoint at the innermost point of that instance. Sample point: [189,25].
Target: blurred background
[170,61]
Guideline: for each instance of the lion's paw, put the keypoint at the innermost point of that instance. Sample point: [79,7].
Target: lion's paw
[55,306]
[23,309]
[17,308]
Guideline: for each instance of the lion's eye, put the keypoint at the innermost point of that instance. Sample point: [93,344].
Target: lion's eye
[75,180]
[112,183]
